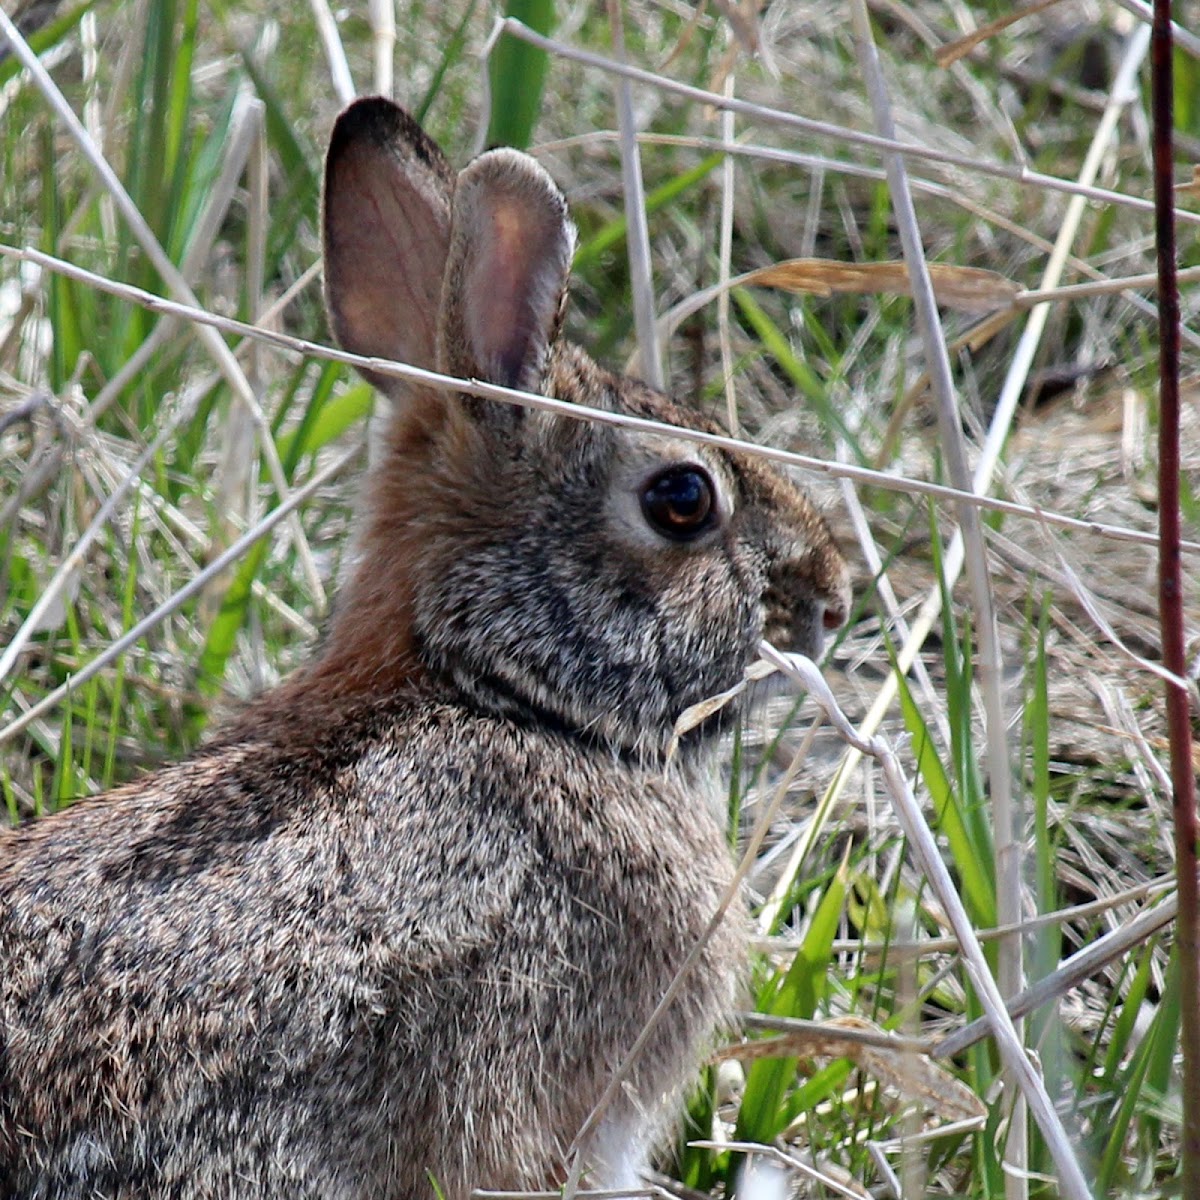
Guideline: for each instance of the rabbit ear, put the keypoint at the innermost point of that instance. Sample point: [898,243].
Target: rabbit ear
[386,231]
[511,243]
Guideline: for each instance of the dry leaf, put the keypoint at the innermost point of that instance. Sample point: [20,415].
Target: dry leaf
[698,713]
[951,52]
[970,289]
[910,1073]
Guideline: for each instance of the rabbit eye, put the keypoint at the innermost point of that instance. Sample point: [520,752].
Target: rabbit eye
[678,502]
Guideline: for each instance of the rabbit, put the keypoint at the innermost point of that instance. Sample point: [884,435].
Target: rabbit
[399,923]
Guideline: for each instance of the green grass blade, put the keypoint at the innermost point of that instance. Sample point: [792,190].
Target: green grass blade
[222,634]
[957,658]
[796,993]
[609,237]
[179,90]
[1160,1069]
[517,75]
[65,306]
[1161,1038]
[1123,1028]
[978,893]
[1037,724]
[818,1087]
[777,345]
[326,417]
[451,55]
[699,1167]
[149,168]
[10,795]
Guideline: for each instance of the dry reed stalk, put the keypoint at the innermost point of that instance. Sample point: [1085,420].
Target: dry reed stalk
[383,43]
[335,52]
[641,280]
[1007,831]
[725,263]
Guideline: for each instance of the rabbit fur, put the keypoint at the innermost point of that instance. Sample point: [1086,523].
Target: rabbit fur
[403,918]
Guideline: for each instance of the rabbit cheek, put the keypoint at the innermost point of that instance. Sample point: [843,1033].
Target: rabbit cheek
[793,621]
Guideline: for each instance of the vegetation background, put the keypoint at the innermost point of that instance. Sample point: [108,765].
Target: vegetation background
[137,446]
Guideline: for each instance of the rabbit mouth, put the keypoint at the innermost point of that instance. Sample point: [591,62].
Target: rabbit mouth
[797,628]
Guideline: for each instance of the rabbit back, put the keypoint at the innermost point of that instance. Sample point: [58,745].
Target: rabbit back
[324,971]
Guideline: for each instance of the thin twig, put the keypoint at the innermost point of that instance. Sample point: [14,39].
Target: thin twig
[1098,287]
[1070,973]
[819,1031]
[951,52]
[783,1158]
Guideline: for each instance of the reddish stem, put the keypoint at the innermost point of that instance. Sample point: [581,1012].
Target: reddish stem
[1170,591]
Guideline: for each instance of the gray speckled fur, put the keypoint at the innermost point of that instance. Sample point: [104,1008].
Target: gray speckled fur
[408,912]
[323,977]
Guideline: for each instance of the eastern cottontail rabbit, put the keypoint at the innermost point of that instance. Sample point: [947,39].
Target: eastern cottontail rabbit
[403,918]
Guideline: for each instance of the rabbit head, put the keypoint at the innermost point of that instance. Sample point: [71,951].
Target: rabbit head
[551,569]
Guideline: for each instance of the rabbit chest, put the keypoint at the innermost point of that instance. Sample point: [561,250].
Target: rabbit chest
[575,885]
